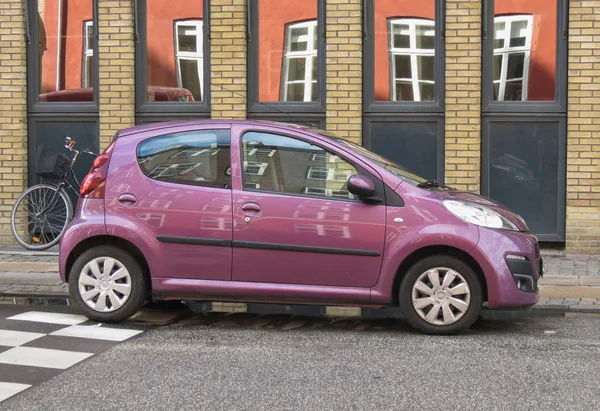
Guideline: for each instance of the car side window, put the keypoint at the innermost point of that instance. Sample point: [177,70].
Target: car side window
[277,163]
[199,157]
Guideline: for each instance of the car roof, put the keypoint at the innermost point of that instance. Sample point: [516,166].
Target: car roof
[186,123]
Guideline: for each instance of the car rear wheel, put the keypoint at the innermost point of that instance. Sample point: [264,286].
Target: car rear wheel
[441,295]
[107,284]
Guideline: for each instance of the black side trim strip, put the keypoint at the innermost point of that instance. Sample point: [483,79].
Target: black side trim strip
[193,240]
[304,248]
[265,246]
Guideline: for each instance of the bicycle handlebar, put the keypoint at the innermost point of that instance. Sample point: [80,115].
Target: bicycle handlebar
[70,144]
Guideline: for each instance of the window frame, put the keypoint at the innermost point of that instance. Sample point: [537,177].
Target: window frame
[559,104]
[259,109]
[307,55]
[34,105]
[379,184]
[412,52]
[372,106]
[150,111]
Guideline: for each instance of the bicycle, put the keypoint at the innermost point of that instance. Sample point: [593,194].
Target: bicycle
[43,211]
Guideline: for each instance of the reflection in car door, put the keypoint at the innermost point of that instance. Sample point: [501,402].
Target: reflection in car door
[179,184]
[294,220]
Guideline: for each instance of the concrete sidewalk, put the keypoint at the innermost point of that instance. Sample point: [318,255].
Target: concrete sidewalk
[570,284]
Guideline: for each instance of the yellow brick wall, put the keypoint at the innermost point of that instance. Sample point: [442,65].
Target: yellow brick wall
[463,94]
[117,67]
[583,128]
[13,111]
[344,68]
[229,51]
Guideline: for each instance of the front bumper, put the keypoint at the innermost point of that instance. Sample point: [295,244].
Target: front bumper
[512,266]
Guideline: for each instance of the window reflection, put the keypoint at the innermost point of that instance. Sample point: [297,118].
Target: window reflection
[524,55]
[404,50]
[175,50]
[283,164]
[65,50]
[195,157]
[287,50]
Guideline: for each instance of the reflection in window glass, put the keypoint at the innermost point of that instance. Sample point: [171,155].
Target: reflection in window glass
[287,50]
[404,50]
[175,50]
[283,164]
[66,51]
[412,52]
[88,55]
[512,35]
[194,157]
[300,62]
[524,55]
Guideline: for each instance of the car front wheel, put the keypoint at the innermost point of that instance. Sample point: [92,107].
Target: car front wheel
[441,295]
[107,284]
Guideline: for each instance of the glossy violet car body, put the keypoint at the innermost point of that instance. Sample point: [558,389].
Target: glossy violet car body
[240,240]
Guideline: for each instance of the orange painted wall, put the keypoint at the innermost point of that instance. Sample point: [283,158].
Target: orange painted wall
[273,15]
[161,17]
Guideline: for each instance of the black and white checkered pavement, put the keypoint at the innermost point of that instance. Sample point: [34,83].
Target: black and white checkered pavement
[37,344]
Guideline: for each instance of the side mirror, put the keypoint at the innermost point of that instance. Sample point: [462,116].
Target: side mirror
[361,186]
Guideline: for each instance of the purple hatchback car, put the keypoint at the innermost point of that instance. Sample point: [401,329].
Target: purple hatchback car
[268,212]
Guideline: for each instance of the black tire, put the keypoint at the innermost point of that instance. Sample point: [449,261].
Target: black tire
[138,284]
[469,316]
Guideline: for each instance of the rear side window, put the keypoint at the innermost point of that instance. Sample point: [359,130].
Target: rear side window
[200,157]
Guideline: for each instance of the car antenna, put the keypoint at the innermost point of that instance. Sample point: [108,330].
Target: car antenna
[313,125]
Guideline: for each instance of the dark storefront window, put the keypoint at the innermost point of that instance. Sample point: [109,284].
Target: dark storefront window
[524,110]
[403,79]
[286,66]
[523,171]
[172,59]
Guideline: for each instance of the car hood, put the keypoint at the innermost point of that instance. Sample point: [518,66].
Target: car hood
[486,202]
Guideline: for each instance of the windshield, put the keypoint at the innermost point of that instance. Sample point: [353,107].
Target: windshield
[385,163]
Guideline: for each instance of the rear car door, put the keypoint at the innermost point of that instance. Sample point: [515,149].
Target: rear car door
[173,188]
[295,221]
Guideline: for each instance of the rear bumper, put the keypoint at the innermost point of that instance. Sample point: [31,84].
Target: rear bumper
[88,223]
[512,267]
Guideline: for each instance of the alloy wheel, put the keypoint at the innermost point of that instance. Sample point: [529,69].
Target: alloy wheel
[441,296]
[104,284]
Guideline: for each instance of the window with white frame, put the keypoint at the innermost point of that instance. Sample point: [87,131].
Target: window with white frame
[189,57]
[88,54]
[412,54]
[510,64]
[300,62]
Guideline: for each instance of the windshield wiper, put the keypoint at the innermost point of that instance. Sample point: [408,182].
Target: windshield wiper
[431,184]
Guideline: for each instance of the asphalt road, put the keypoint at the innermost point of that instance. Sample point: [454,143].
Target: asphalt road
[237,363]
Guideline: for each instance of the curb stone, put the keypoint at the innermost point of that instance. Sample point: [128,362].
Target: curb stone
[202,307]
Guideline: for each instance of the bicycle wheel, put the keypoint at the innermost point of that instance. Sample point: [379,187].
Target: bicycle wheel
[40,216]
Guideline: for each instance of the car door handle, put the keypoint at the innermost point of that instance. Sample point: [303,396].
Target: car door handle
[127,199]
[251,208]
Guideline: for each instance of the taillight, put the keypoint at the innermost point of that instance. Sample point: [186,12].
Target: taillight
[93,184]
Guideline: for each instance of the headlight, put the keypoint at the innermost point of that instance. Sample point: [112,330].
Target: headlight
[478,215]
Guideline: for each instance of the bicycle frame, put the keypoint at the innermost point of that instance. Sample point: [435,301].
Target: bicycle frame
[64,179]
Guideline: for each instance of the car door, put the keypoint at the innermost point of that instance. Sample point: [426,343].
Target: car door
[175,187]
[294,220]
